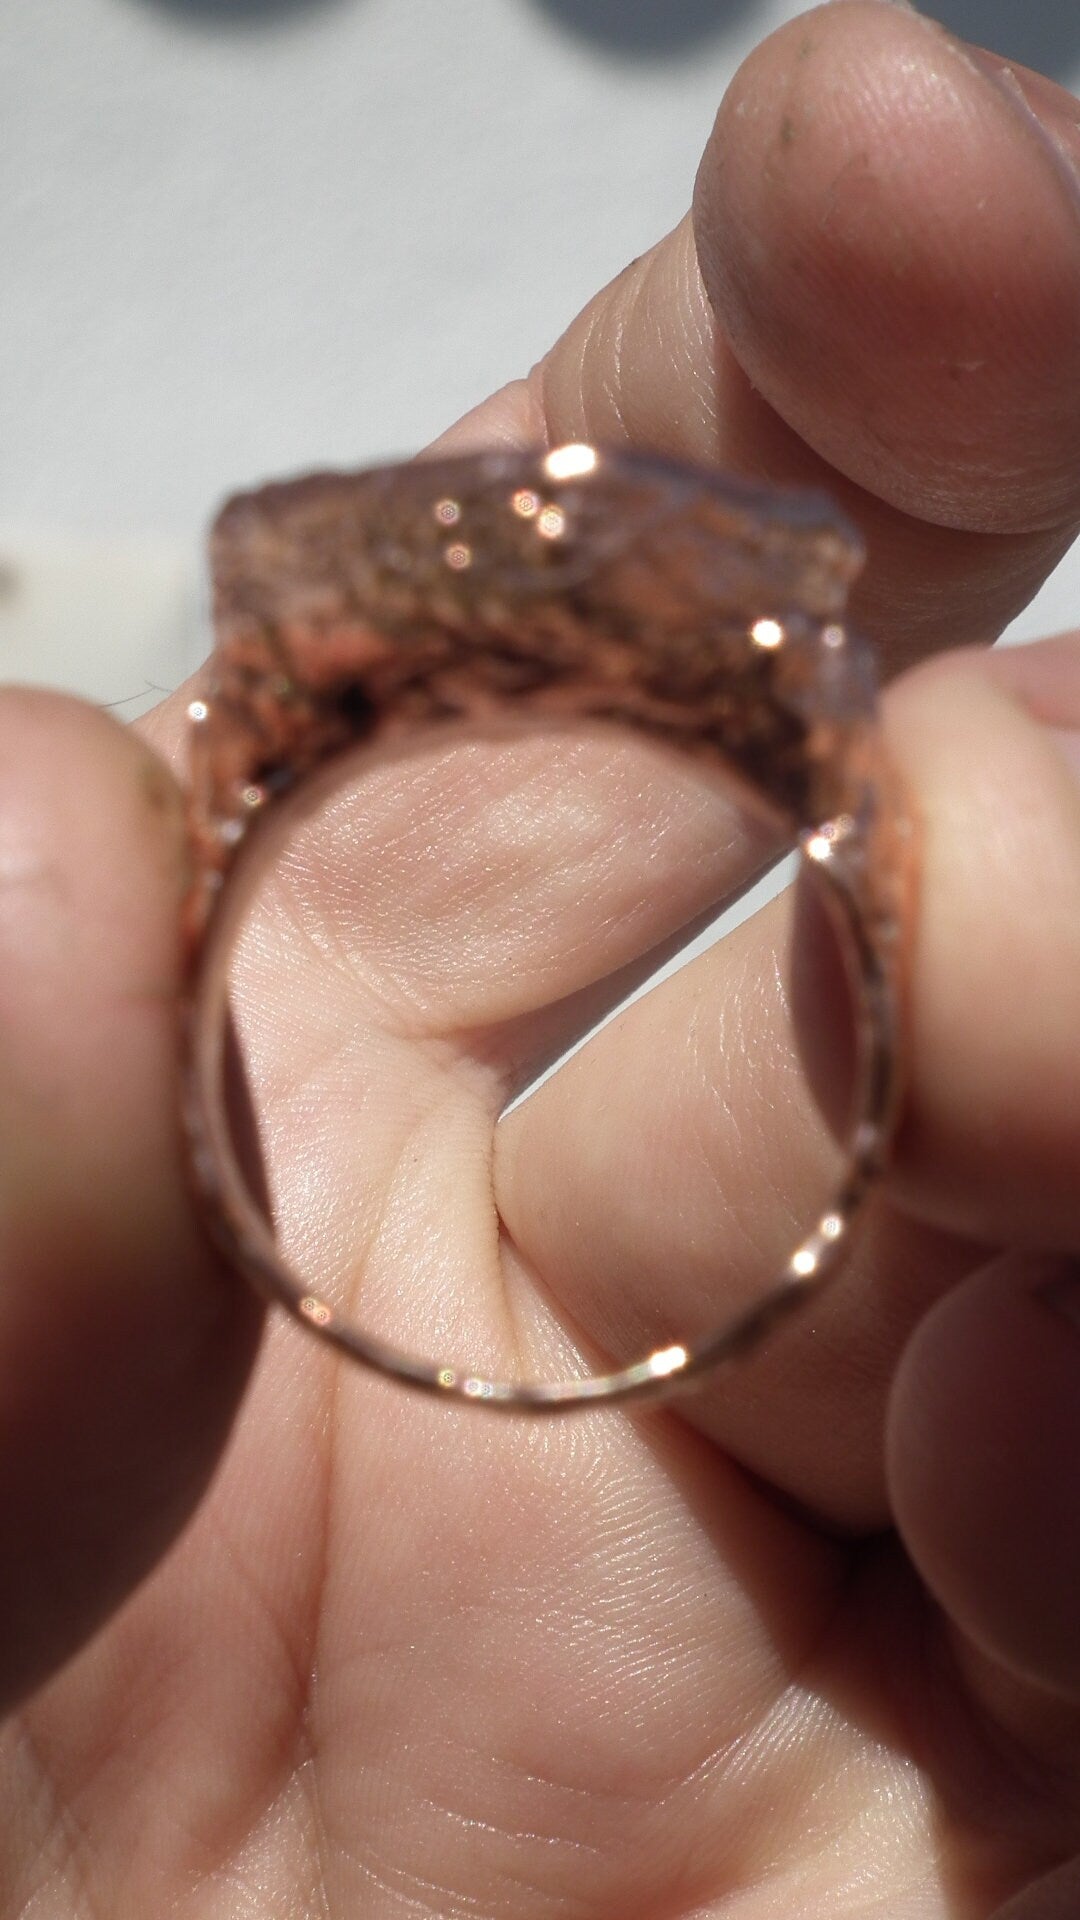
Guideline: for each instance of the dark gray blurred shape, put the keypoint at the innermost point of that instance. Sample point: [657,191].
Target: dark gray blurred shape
[647,29]
[1044,34]
[243,13]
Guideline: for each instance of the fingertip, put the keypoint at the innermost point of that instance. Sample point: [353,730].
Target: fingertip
[895,257]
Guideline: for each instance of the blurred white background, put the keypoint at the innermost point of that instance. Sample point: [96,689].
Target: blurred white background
[245,237]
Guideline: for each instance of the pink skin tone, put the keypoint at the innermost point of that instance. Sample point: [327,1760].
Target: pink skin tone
[279,1640]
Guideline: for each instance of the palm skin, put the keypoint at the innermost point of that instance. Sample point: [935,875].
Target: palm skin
[412,1660]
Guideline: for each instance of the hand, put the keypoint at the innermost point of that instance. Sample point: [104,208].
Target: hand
[807,1644]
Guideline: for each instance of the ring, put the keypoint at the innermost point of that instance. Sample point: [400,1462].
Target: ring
[575,584]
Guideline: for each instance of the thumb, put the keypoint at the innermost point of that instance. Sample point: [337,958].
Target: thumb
[123,1346]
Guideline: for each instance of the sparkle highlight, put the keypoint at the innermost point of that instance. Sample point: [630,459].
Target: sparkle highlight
[551,523]
[567,463]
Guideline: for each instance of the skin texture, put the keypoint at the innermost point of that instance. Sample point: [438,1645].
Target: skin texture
[806,1645]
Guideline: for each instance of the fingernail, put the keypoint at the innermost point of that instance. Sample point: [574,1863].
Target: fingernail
[1061,1294]
[1052,113]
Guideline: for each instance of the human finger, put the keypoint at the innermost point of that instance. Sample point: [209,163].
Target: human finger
[878,292]
[909,336]
[123,1346]
[663,1175]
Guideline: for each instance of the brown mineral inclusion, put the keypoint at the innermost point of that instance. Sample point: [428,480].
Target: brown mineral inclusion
[613,586]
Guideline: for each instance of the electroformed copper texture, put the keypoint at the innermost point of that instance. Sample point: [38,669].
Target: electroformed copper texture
[574,584]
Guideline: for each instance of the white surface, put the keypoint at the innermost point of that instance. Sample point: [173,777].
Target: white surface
[236,248]
[232,252]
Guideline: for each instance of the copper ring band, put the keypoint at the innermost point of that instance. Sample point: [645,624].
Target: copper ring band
[575,583]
